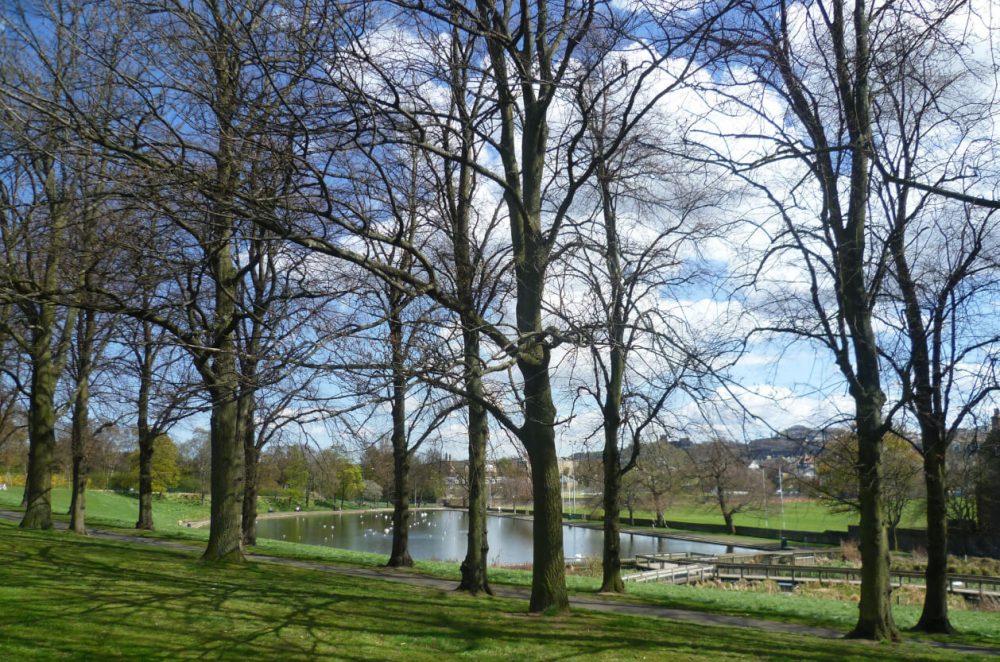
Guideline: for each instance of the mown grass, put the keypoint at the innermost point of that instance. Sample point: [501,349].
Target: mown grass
[116,512]
[86,599]
[800,515]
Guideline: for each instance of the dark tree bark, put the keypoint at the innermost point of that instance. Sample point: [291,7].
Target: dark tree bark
[147,436]
[611,580]
[727,517]
[474,568]
[86,330]
[934,617]
[251,461]
[548,583]
[837,156]
[78,434]
[225,536]
[400,556]
[41,433]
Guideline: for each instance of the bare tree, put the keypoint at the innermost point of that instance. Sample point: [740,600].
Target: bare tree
[943,265]
[723,470]
[38,194]
[817,64]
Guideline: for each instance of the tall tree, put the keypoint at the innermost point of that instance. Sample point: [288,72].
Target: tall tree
[37,195]
[816,63]
[943,259]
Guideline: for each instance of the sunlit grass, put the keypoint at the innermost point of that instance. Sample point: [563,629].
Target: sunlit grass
[91,599]
[799,514]
[117,511]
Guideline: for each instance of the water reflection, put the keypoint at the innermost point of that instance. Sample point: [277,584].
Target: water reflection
[441,535]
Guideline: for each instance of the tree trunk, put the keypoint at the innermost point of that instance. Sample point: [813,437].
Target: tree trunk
[41,435]
[928,401]
[146,440]
[78,498]
[79,430]
[147,436]
[727,514]
[611,581]
[474,568]
[934,617]
[875,619]
[85,333]
[225,536]
[222,378]
[400,556]
[548,584]
[251,459]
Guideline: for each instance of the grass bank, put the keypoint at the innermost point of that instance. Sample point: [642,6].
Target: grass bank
[800,514]
[84,599]
[117,512]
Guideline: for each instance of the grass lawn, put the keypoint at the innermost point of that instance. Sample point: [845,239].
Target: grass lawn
[75,598]
[114,509]
[117,511]
[800,515]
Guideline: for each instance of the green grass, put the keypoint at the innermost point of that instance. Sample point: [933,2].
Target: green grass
[117,511]
[800,515]
[87,599]
[114,509]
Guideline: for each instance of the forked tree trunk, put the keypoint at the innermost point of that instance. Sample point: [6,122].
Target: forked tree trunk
[928,402]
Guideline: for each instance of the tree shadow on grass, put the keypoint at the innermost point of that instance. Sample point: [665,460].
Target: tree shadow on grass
[98,599]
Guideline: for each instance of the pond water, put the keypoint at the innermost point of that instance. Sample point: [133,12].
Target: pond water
[441,535]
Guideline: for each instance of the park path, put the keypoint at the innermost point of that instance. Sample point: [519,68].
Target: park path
[591,602]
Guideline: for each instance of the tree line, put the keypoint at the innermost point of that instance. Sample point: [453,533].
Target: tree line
[400,219]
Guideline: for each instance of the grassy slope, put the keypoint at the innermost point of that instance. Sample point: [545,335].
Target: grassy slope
[114,510]
[800,515]
[90,599]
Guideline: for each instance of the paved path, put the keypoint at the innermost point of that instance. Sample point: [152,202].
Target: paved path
[592,602]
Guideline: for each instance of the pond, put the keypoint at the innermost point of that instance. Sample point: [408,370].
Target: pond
[441,535]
